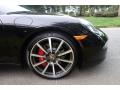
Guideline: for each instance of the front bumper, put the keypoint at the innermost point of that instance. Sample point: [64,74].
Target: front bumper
[97,51]
[94,54]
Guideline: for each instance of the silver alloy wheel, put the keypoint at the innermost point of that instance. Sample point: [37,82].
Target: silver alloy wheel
[57,60]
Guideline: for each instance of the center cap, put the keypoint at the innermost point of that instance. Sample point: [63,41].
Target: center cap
[51,57]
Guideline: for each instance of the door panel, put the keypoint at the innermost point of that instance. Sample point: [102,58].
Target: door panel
[11,37]
[5,50]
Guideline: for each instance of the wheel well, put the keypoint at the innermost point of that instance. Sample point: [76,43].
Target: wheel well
[44,30]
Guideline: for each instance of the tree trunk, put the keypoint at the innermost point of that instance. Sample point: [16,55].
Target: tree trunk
[119,11]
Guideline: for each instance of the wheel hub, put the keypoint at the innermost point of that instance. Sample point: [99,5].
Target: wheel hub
[51,57]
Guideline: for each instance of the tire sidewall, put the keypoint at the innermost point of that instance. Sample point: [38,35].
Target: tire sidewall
[65,37]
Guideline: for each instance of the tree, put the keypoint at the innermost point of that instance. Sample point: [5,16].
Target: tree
[76,10]
[119,11]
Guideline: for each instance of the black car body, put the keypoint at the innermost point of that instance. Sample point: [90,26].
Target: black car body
[19,27]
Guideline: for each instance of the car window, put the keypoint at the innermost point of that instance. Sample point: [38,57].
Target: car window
[11,8]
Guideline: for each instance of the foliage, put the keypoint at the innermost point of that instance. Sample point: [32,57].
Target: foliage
[106,14]
[78,10]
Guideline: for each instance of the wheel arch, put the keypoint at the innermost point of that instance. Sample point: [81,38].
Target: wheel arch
[44,30]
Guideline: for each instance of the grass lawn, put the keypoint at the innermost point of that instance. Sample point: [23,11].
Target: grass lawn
[104,21]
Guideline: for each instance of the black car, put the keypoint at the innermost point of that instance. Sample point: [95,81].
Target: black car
[51,45]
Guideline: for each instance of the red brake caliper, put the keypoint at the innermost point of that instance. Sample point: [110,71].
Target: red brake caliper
[40,52]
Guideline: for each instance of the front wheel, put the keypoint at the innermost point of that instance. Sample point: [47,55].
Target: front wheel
[51,55]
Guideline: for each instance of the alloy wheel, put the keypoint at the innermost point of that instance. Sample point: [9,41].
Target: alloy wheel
[52,57]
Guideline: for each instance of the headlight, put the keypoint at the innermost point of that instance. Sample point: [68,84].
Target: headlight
[92,28]
[89,25]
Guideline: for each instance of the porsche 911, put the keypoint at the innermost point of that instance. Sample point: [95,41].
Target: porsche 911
[51,45]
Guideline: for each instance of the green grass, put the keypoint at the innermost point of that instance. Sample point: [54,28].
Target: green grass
[104,21]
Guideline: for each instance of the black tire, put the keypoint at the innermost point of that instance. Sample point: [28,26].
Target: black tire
[61,36]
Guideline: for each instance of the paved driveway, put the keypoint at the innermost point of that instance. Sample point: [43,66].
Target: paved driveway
[107,72]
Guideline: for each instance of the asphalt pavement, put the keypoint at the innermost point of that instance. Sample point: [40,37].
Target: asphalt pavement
[106,72]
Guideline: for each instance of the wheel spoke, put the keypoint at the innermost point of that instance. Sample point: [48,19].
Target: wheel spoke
[53,68]
[61,67]
[37,64]
[45,69]
[36,55]
[50,44]
[64,53]
[41,48]
[61,43]
[63,60]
